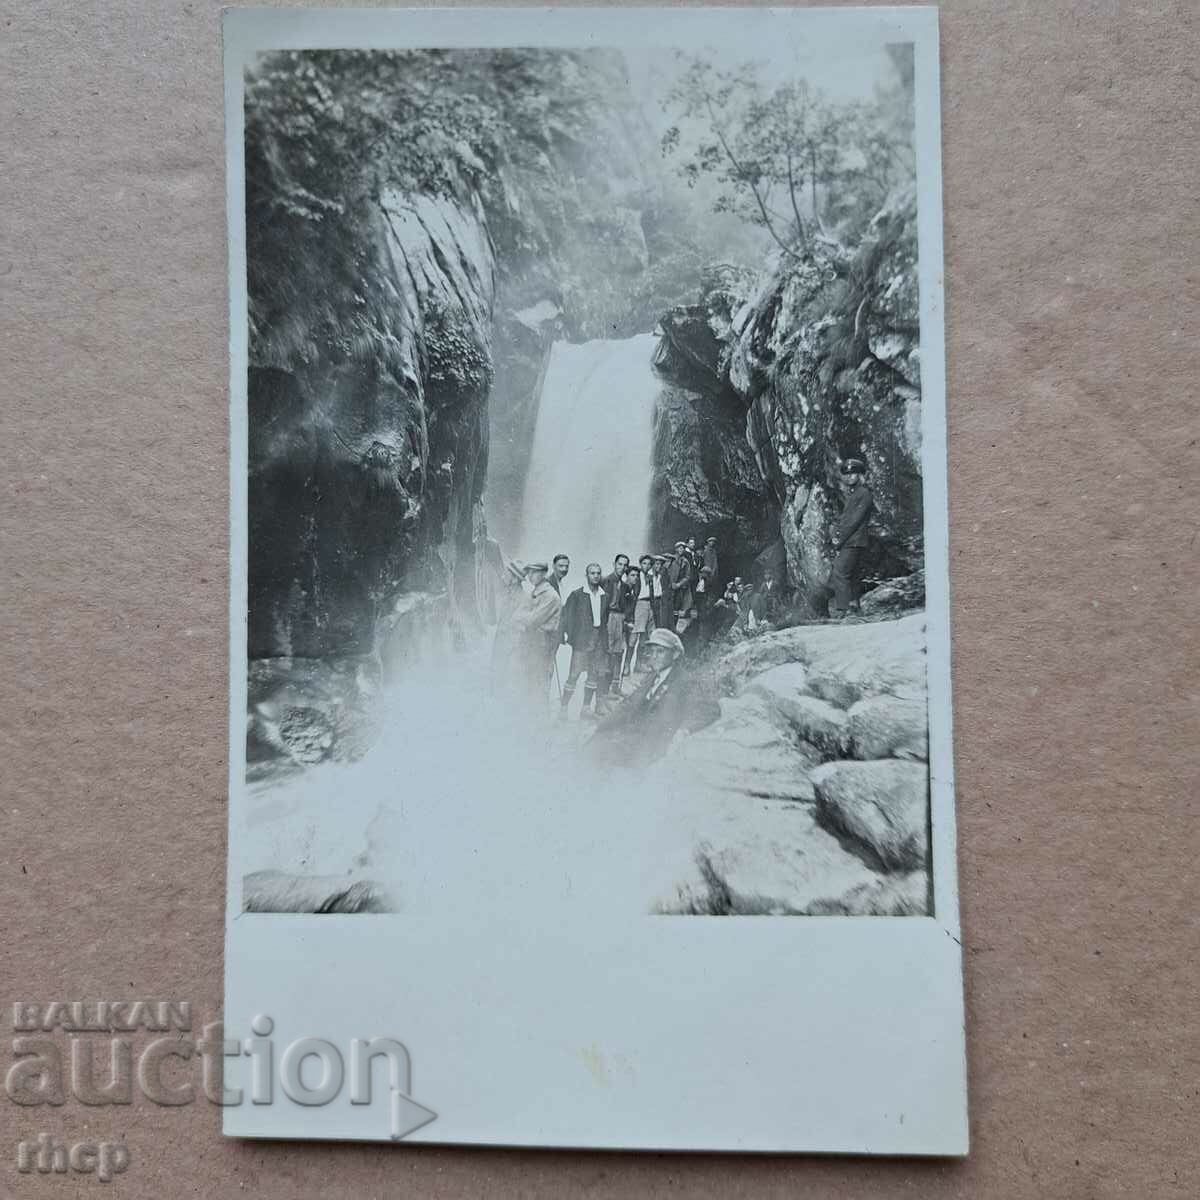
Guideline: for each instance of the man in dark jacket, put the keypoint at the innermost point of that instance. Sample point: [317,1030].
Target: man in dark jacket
[641,727]
[583,626]
[615,589]
[664,604]
[849,536]
[560,568]
[681,583]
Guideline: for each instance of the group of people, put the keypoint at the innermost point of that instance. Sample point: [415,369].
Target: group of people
[642,619]
[612,620]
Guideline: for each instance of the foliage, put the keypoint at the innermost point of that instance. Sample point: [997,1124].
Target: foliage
[328,132]
[811,171]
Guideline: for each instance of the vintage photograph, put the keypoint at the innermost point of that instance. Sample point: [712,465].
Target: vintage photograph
[585,551]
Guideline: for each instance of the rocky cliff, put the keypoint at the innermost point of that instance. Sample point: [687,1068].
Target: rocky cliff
[819,360]
[706,480]
[810,793]
[420,227]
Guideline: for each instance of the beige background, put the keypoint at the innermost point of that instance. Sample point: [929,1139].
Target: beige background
[1072,209]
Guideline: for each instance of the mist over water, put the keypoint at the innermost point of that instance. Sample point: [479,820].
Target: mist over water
[465,789]
[588,489]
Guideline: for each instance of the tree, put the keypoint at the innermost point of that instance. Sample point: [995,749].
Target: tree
[804,168]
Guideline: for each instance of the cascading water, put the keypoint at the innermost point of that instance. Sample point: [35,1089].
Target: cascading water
[457,787]
[588,489]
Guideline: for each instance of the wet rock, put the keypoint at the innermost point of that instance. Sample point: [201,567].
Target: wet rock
[880,808]
[306,734]
[812,719]
[746,752]
[365,457]
[284,892]
[772,859]
[893,597]
[842,663]
[891,896]
[303,711]
[887,727]
[882,658]
[705,481]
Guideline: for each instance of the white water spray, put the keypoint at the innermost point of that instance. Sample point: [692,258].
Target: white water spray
[588,489]
[446,810]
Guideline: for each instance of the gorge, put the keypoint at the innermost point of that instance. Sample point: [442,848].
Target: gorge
[488,319]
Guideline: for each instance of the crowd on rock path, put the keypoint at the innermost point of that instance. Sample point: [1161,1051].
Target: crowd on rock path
[639,622]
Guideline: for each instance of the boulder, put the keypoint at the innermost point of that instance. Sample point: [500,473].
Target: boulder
[284,892]
[880,658]
[812,719]
[892,896]
[880,808]
[740,858]
[894,597]
[746,753]
[735,670]
[303,711]
[842,663]
[887,727]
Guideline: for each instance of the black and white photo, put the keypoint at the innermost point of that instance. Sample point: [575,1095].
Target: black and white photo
[589,498]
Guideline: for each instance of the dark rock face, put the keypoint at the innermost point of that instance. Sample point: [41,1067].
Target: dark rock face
[363,469]
[523,341]
[390,291]
[827,357]
[817,363]
[706,481]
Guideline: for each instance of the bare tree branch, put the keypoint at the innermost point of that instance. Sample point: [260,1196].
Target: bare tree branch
[743,175]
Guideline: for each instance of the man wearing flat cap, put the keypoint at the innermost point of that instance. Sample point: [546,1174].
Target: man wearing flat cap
[640,728]
[536,621]
[849,538]
[664,613]
[681,584]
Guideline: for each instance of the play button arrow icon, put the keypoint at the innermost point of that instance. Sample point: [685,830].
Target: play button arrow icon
[407,1115]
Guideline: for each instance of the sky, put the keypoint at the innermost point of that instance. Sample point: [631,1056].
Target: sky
[841,72]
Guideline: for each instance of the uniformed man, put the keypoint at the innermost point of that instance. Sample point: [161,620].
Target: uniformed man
[850,538]
[536,621]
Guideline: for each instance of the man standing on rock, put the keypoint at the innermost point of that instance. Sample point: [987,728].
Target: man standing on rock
[710,560]
[850,538]
[584,621]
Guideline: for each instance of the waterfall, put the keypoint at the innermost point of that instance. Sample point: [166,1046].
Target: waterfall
[588,489]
